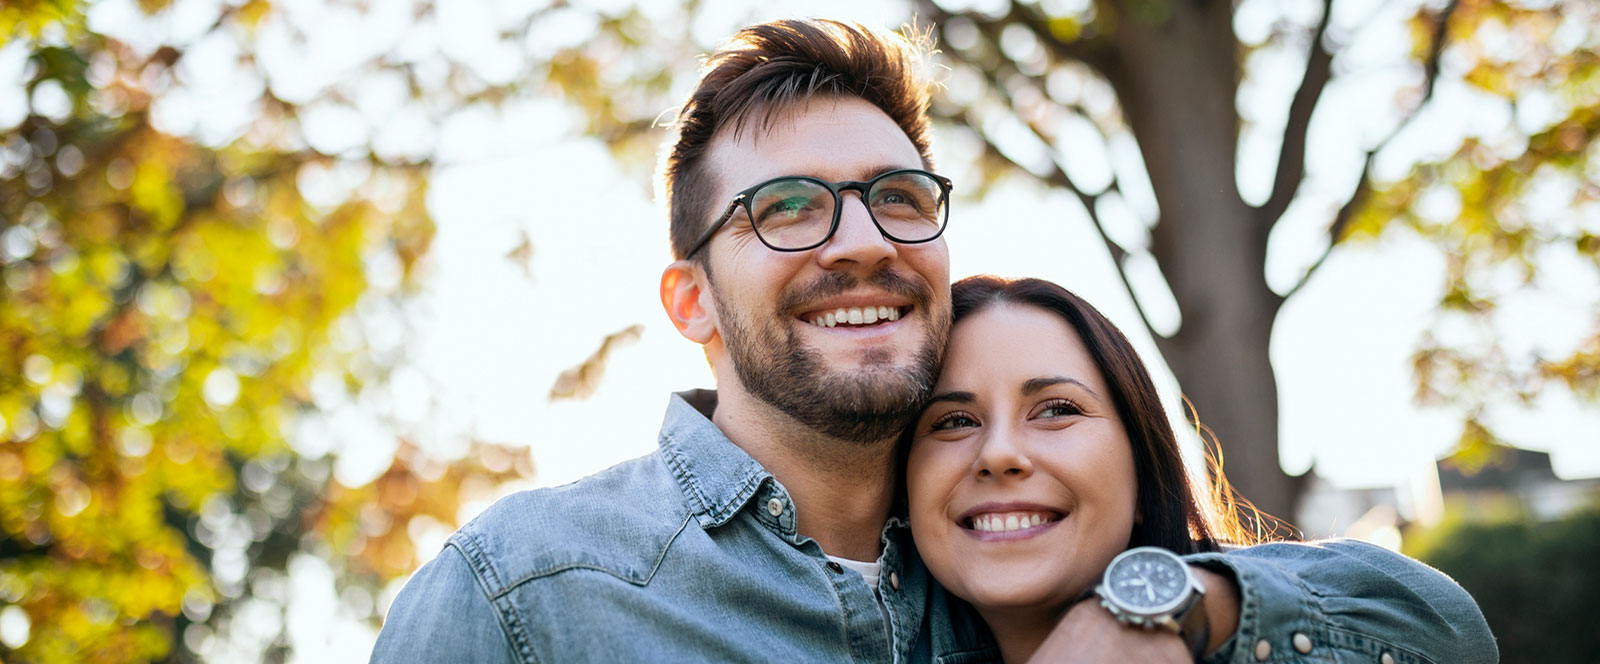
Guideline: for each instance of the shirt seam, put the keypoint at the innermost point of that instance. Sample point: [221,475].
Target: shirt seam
[644,580]
[1377,645]
[717,514]
[471,550]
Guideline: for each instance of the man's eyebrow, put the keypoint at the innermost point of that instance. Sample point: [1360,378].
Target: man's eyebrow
[1035,384]
[881,169]
[955,397]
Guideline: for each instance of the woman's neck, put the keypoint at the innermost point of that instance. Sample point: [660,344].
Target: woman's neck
[1019,632]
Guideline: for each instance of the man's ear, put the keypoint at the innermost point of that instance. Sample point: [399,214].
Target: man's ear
[686,295]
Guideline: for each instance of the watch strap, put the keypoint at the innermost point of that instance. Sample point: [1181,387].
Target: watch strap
[1194,626]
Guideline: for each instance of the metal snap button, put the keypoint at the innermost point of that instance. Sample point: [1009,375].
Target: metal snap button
[1302,643]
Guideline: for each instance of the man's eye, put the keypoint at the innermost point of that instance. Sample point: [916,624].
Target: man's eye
[786,207]
[954,421]
[798,208]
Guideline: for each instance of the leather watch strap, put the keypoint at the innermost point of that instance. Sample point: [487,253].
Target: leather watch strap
[1195,627]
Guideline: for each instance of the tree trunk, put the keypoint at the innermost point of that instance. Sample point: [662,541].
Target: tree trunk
[1177,77]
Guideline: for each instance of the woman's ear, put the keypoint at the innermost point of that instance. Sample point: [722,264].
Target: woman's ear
[685,294]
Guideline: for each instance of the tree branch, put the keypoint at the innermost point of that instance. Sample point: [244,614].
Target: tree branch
[1292,153]
[1364,186]
[1057,177]
[1341,221]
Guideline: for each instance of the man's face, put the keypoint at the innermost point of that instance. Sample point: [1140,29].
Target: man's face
[854,381]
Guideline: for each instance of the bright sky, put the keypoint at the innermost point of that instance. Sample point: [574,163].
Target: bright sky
[493,334]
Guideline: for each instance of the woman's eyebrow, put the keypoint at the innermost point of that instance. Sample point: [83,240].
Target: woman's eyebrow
[957,397]
[1035,384]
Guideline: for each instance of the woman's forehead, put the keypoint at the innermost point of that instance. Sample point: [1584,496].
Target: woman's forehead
[1004,345]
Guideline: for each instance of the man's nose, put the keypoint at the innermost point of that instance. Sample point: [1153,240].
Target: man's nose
[857,243]
[1002,455]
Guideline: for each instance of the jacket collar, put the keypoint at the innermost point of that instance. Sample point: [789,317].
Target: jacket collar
[716,476]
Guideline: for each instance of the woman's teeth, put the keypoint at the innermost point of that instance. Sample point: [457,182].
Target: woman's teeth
[856,316]
[1009,521]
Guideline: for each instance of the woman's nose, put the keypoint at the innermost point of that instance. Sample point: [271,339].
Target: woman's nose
[1002,456]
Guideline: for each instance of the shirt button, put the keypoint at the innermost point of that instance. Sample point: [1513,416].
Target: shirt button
[1263,650]
[894,581]
[836,567]
[774,507]
[1302,643]
[1386,659]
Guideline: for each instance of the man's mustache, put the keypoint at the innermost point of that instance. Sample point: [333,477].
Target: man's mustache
[839,283]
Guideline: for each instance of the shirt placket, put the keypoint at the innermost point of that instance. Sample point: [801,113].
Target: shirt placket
[868,636]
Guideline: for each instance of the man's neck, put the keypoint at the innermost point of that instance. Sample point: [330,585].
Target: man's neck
[842,490]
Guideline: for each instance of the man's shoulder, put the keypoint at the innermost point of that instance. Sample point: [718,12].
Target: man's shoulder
[618,521]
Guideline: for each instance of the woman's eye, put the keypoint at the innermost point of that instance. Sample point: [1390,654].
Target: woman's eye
[953,421]
[1060,408]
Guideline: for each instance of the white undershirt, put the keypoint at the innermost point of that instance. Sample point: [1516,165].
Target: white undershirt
[868,571]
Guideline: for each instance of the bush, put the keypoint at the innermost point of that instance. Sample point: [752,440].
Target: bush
[1536,582]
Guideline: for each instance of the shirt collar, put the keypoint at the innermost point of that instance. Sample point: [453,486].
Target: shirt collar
[716,476]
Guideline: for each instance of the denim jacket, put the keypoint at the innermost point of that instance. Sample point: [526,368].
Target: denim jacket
[691,554]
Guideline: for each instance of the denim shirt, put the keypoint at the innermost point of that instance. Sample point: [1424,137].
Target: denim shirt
[691,554]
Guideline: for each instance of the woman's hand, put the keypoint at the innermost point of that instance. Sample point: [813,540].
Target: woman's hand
[1089,633]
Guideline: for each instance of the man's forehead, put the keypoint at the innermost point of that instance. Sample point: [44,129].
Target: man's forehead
[835,138]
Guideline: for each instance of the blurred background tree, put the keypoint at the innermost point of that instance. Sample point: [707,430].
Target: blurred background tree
[213,216]
[174,299]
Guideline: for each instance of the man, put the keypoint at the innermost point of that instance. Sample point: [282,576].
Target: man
[812,269]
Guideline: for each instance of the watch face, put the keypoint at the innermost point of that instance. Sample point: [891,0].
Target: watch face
[1148,582]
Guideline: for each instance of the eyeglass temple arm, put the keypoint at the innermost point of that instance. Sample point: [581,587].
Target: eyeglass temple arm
[714,227]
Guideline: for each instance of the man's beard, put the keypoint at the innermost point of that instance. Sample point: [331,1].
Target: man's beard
[867,404]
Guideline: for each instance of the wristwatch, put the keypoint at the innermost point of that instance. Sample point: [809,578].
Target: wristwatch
[1152,588]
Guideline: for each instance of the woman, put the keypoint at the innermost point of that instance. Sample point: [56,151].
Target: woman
[1043,454]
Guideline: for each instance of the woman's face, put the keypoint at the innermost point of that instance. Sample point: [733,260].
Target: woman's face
[1021,479]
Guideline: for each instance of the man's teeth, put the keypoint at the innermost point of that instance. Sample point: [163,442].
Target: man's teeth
[1009,521]
[856,316]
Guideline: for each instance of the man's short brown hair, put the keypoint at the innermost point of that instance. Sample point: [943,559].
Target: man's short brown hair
[768,67]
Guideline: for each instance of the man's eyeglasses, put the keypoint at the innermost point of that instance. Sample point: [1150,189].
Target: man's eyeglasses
[797,212]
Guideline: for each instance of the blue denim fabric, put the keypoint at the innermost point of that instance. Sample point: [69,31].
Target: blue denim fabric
[1352,602]
[677,556]
[673,557]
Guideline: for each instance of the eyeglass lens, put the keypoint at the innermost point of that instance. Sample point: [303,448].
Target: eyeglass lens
[792,213]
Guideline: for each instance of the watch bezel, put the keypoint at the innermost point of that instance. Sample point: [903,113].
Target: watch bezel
[1110,592]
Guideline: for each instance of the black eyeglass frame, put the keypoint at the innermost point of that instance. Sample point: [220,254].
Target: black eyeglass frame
[838,189]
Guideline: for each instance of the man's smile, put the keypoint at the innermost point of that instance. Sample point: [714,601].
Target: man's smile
[855,316]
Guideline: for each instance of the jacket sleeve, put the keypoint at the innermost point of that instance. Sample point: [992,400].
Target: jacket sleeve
[443,614]
[1346,601]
